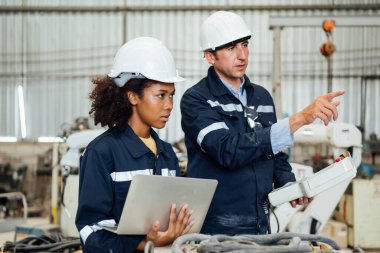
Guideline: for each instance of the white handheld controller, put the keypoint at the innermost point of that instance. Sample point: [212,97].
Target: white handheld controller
[310,186]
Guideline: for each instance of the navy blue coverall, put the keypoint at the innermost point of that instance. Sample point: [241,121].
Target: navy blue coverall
[106,170]
[222,145]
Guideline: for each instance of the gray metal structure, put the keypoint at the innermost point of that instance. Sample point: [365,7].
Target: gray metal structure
[278,23]
[53,48]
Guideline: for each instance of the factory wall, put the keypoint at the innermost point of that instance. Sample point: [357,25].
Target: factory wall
[54,54]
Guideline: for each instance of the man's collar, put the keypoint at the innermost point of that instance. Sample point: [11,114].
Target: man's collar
[231,88]
[220,89]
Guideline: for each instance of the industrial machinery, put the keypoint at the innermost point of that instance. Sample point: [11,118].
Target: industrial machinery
[69,163]
[342,170]
[10,210]
[341,137]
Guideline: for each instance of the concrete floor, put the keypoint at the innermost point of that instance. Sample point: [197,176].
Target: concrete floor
[9,236]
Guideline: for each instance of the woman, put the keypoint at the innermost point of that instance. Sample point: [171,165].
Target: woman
[136,96]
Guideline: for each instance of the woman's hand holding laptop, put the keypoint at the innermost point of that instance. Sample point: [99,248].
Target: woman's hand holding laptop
[178,225]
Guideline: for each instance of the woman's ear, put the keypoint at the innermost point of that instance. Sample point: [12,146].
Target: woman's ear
[133,98]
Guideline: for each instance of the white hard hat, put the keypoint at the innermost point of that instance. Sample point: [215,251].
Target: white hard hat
[147,57]
[222,27]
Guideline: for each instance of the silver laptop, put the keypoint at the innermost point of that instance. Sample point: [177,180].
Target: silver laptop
[150,198]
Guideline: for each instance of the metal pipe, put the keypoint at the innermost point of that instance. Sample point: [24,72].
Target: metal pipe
[150,8]
[363,98]
[261,75]
[316,21]
[329,74]
[54,184]
[125,26]
[277,71]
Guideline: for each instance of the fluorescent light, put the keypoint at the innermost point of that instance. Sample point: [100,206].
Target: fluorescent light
[49,139]
[8,139]
[21,106]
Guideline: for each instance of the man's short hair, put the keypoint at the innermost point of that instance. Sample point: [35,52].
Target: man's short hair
[229,44]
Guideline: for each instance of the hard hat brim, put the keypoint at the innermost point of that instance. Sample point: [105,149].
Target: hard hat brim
[174,79]
[228,44]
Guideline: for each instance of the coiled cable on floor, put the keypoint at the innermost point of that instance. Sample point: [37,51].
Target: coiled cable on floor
[44,243]
[274,243]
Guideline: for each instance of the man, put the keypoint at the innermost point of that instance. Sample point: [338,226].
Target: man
[232,134]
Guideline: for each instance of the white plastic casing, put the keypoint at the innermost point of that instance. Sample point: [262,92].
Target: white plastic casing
[316,183]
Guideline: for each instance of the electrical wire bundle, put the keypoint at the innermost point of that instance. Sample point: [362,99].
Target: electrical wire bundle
[274,243]
[55,242]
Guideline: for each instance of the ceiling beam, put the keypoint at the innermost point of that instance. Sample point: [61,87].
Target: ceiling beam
[150,8]
[310,21]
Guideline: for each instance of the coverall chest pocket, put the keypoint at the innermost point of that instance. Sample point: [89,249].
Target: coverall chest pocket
[267,119]
[232,119]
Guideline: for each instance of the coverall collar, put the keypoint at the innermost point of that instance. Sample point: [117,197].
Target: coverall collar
[216,86]
[137,148]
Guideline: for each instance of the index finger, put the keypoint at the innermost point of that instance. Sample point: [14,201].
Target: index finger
[334,94]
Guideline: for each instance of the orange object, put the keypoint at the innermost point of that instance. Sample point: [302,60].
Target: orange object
[327,49]
[328,25]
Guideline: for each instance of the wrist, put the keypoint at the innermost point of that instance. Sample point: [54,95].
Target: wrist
[295,122]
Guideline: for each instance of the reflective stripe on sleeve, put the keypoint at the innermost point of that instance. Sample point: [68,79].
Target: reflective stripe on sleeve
[227,107]
[208,129]
[128,175]
[107,223]
[168,173]
[87,231]
[265,108]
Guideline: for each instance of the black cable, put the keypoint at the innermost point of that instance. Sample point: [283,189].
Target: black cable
[64,179]
[313,229]
[277,221]
[54,242]
[266,207]
[268,212]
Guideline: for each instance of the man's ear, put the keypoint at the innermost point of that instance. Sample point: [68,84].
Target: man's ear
[210,57]
[133,98]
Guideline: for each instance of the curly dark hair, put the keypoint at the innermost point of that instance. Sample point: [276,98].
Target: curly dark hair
[110,104]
